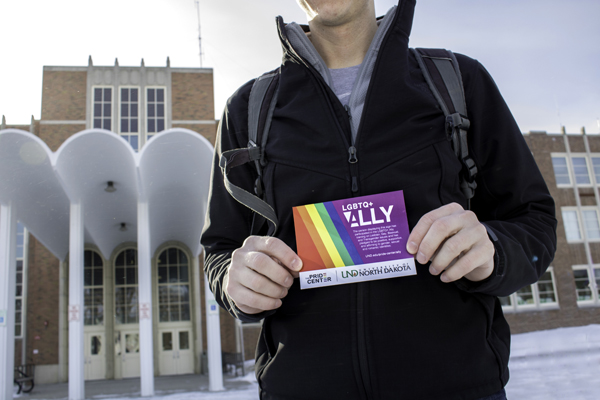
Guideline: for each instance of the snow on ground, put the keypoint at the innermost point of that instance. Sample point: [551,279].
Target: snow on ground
[559,364]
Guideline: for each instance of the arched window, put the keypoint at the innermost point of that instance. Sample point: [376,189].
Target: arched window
[93,288]
[126,287]
[173,286]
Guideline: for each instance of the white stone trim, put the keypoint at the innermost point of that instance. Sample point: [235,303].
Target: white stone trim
[65,122]
[196,122]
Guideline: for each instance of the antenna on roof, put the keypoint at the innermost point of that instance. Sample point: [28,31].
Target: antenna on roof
[199,32]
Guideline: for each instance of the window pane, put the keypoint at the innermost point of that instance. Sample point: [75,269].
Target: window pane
[98,276]
[582,284]
[134,95]
[96,345]
[131,276]
[163,313]
[151,110]
[106,124]
[173,274]
[571,225]
[160,125]
[97,123]
[184,340]
[151,126]
[596,166]
[163,295]
[150,94]
[134,142]
[132,341]
[162,275]
[167,341]
[124,110]
[124,95]
[590,221]
[120,276]
[525,296]
[174,312]
[107,110]
[134,110]
[160,110]
[134,125]
[97,94]
[160,95]
[183,274]
[107,94]
[185,312]
[580,171]
[97,110]
[561,171]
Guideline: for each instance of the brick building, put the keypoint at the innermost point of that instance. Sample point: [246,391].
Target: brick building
[139,102]
[568,294]
[136,103]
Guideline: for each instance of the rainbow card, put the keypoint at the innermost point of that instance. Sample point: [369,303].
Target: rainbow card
[353,240]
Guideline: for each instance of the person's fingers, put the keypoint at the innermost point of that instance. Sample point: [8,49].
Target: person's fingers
[249,301]
[456,245]
[423,227]
[275,248]
[476,265]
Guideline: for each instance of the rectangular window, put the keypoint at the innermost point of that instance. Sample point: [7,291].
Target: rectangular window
[155,111]
[596,167]
[572,226]
[19,294]
[590,222]
[561,170]
[541,294]
[129,118]
[102,108]
[580,170]
[587,284]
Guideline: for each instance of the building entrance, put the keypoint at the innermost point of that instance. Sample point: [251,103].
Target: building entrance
[176,351]
[94,355]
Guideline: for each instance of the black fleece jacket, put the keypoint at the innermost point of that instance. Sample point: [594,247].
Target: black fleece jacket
[405,338]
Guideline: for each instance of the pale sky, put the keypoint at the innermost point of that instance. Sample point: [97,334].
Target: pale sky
[543,54]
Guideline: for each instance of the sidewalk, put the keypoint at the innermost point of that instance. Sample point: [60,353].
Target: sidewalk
[124,388]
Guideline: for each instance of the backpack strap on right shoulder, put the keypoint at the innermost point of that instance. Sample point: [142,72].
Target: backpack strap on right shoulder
[442,73]
[264,90]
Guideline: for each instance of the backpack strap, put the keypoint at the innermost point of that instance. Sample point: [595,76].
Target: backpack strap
[264,91]
[442,73]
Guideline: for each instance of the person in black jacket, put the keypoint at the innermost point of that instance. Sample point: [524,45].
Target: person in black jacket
[437,335]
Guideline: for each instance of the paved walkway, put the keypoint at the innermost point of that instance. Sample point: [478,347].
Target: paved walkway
[163,385]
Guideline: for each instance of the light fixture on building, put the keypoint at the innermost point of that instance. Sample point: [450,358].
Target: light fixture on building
[110,187]
[123,227]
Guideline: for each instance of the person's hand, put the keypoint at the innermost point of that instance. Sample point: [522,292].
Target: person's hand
[456,243]
[260,274]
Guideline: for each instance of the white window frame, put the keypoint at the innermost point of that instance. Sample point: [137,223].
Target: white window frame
[513,305]
[583,229]
[579,224]
[22,256]
[587,166]
[148,135]
[593,172]
[112,105]
[569,172]
[139,116]
[593,285]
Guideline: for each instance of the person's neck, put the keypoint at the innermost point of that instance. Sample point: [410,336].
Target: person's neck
[345,45]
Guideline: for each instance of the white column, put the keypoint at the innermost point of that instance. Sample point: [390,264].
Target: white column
[76,365]
[63,327]
[8,271]
[197,313]
[213,337]
[145,301]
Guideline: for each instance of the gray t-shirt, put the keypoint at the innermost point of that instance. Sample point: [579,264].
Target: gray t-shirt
[343,81]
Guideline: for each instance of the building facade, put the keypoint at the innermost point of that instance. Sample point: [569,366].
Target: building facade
[568,293]
[139,102]
[136,103]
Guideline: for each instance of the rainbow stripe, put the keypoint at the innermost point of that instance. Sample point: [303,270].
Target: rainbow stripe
[320,230]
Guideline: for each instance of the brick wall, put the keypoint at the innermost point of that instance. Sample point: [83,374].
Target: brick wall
[192,96]
[55,135]
[208,131]
[567,254]
[64,95]
[42,304]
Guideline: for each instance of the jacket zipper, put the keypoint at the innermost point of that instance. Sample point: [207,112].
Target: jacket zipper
[361,289]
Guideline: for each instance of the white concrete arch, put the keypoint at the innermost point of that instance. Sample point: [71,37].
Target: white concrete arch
[85,163]
[28,182]
[171,169]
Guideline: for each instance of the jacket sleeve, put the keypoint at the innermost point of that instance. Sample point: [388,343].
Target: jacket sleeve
[511,199]
[228,223]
